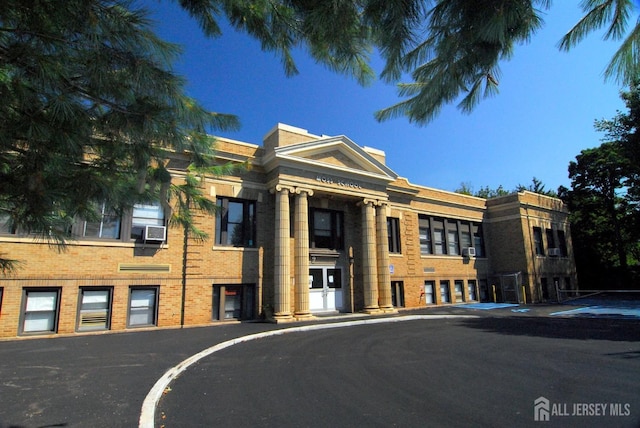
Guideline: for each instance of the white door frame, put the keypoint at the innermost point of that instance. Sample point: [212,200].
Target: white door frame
[325,294]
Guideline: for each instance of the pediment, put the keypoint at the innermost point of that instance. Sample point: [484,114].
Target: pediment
[335,154]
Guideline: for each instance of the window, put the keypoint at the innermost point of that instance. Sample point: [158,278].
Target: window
[537,241]
[562,243]
[445,297]
[425,235]
[439,240]
[471,287]
[6,225]
[465,235]
[40,310]
[326,229]
[317,278]
[107,227]
[551,242]
[143,304]
[236,223]
[233,302]
[397,294]
[458,286]
[544,284]
[393,229]
[478,240]
[448,236]
[429,292]
[145,215]
[94,311]
[452,238]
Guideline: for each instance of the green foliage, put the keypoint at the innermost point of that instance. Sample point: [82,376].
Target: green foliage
[461,44]
[605,194]
[613,14]
[334,32]
[487,193]
[189,200]
[464,43]
[89,106]
[537,186]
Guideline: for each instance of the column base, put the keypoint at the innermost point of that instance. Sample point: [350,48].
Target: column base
[372,311]
[305,316]
[389,310]
[283,318]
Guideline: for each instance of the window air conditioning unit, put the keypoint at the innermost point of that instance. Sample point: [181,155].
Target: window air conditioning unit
[468,252]
[554,252]
[155,233]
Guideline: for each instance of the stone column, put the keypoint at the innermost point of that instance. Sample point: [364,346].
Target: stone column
[369,265]
[382,248]
[301,233]
[282,271]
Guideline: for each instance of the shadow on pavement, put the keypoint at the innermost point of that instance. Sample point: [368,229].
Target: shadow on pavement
[560,328]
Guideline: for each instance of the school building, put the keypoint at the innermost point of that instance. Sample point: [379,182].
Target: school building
[315,225]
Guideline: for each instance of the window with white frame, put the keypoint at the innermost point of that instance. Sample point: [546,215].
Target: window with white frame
[107,226]
[40,310]
[143,215]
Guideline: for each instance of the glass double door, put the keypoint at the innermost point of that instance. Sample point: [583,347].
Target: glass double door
[325,289]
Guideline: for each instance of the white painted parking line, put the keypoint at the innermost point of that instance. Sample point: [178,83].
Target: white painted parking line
[147,414]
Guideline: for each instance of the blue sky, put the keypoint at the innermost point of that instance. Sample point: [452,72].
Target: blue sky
[539,122]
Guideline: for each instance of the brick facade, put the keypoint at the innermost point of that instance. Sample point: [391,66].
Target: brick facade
[340,178]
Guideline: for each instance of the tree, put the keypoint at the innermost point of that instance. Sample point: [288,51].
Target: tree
[465,189]
[466,41]
[90,105]
[190,201]
[451,48]
[604,196]
[90,109]
[537,186]
[487,193]
[599,210]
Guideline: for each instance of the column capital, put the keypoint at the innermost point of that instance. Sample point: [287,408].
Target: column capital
[367,201]
[280,188]
[373,202]
[300,190]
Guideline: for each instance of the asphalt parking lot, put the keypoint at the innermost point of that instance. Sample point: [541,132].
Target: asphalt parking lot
[484,370]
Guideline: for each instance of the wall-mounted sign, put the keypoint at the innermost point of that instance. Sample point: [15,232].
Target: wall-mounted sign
[339,182]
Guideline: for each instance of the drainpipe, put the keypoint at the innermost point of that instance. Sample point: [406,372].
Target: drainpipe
[351,279]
